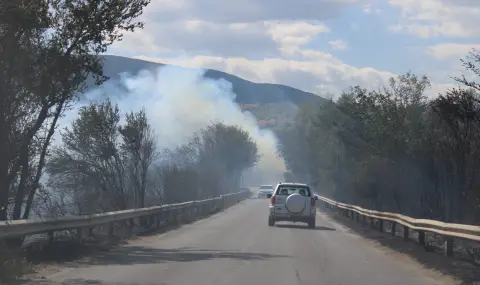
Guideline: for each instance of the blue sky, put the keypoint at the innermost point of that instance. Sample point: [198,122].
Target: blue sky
[370,43]
[292,42]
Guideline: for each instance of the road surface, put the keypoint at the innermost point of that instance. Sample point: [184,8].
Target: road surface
[236,247]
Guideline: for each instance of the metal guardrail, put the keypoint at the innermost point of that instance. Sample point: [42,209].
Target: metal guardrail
[448,230]
[19,228]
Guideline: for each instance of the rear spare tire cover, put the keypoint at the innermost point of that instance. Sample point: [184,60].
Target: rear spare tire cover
[295,203]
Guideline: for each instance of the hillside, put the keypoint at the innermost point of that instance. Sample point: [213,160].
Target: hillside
[247,92]
[274,105]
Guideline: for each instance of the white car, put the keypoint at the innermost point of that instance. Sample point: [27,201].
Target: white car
[292,202]
[265,190]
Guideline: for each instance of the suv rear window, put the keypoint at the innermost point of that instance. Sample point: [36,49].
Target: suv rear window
[293,189]
[266,187]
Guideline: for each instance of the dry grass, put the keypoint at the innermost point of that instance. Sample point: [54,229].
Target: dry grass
[13,263]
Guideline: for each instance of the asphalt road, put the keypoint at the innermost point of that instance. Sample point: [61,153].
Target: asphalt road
[236,247]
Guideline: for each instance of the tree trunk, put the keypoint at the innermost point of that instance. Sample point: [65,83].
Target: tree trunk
[41,163]
[20,195]
[4,185]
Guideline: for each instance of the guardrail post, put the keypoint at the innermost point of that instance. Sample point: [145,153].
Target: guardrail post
[178,216]
[126,228]
[372,222]
[394,228]
[111,228]
[174,216]
[79,235]
[169,217]
[159,220]
[448,246]
[357,217]
[421,237]
[51,235]
[181,215]
[193,211]
[380,225]
[131,226]
[188,214]
[405,232]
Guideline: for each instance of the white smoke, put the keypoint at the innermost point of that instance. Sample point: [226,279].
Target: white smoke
[180,102]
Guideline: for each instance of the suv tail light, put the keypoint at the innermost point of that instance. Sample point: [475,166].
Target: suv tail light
[272,200]
[313,201]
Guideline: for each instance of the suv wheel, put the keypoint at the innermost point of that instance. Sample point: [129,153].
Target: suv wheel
[311,223]
[271,221]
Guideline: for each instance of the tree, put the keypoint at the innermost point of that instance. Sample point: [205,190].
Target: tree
[458,113]
[90,161]
[210,164]
[103,163]
[394,150]
[55,46]
[352,149]
[227,151]
[139,149]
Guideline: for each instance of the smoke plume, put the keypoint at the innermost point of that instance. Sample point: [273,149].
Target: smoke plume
[180,102]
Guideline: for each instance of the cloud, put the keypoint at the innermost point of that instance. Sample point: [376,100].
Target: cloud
[250,28]
[321,75]
[434,18]
[200,37]
[338,45]
[369,9]
[451,51]
[268,39]
[294,34]
[236,11]
[272,41]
